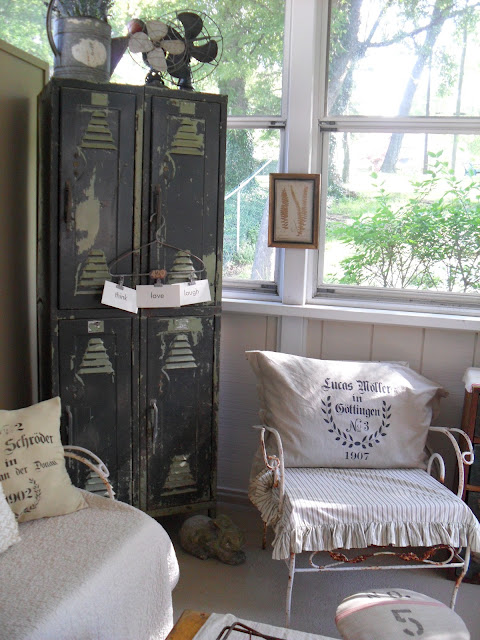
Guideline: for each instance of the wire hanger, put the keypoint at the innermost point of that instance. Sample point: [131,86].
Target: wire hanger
[156,274]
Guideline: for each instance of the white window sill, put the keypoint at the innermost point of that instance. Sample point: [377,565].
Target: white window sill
[352,314]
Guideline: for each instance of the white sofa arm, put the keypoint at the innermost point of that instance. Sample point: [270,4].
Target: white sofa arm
[463,457]
[99,468]
[274,462]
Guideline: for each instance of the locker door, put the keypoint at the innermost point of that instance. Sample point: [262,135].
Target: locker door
[181,394]
[96,191]
[184,191]
[95,364]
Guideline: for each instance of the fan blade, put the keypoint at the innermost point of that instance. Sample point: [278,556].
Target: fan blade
[177,66]
[139,43]
[173,34]
[156,30]
[156,59]
[175,47]
[205,52]
[192,24]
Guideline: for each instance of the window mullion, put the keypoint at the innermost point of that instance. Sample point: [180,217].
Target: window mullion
[403,125]
[301,60]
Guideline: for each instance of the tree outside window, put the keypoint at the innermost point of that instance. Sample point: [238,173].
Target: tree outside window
[403,201]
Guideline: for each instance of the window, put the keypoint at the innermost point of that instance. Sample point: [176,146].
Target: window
[400,154]
[380,98]
[251,155]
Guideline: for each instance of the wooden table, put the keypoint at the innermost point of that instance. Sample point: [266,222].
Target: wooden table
[187,625]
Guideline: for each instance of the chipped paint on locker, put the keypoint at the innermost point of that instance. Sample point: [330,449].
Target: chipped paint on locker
[98,134]
[87,218]
[210,261]
[189,138]
[95,359]
[91,275]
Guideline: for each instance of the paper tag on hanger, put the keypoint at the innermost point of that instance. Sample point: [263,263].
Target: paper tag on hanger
[120,297]
[150,296]
[195,292]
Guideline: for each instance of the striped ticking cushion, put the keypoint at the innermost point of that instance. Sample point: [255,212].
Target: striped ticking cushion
[327,509]
[397,613]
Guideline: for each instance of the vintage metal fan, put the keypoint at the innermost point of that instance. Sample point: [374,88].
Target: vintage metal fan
[181,45]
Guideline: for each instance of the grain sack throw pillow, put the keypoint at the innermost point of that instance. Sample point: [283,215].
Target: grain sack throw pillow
[32,464]
[8,525]
[345,414]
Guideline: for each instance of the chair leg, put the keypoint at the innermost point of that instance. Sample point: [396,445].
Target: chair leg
[459,579]
[291,574]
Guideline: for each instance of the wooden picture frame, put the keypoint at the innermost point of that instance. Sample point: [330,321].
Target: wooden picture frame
[294,200]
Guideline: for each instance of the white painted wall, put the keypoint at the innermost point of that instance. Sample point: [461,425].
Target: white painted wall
[439,354]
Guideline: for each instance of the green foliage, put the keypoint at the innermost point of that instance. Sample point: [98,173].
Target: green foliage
[429,241]
[249,72]
[240,153]
[22,24]
[253,198]
[99,9]
[448,72]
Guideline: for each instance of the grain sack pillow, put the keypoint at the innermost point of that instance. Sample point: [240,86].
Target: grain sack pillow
[345,414]
[397,614]
[32,464]
[8,525]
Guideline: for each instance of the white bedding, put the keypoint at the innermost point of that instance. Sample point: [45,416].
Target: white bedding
[102,573]
[327,509]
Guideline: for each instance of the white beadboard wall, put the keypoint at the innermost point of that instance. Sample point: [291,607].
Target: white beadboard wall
[441,355]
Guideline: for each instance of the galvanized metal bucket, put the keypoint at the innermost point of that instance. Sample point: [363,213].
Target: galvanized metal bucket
[81,46]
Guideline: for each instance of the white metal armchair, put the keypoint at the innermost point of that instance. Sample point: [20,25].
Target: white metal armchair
[342,469]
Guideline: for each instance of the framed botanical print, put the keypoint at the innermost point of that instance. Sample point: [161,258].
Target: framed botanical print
[294,210]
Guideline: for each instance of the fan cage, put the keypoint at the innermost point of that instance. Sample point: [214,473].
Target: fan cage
[199,70]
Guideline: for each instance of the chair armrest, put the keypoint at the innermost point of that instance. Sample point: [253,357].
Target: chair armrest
[99,468]
[463,457]
[274,462]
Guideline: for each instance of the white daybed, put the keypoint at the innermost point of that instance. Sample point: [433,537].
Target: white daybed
[99,573]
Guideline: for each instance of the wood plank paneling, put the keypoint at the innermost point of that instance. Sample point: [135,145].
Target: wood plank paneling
[314,338]
[346,341]
[476,354]
[446,355]
[240,333]
[271,338]
[239,403]
[398,344]
[238,440]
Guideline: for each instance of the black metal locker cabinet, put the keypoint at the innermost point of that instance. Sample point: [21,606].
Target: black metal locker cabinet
[120,168]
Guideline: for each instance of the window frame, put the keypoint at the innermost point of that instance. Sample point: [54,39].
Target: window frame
[297,148]
[248,288]
[376,298]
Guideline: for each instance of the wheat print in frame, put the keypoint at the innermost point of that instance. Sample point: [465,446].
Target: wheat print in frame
[293,210]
